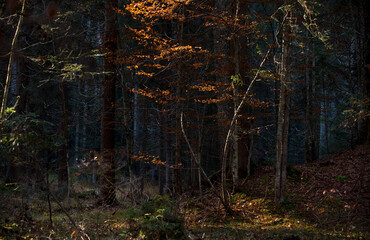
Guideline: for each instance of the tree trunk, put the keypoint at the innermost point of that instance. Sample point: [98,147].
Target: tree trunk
[221,48]
[177,170]
[325,93]
[235,134]
[364,78]
[200,144]
[242,139]
[10,65]
[162,141]
[107,187]
[178,150]
[136,129]
[63,154]
[170,181]
[78,124]
[283,115]
[128,122]
[143,168]
[312,118]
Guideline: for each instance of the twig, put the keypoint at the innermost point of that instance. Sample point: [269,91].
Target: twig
[225,204]
[10,16]
[194,156]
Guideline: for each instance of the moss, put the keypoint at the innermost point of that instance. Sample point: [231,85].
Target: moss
[156,219]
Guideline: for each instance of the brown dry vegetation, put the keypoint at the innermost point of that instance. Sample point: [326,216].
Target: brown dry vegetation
[328,199]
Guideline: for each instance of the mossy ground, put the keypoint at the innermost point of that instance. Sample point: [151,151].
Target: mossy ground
[253,218]
[329,200]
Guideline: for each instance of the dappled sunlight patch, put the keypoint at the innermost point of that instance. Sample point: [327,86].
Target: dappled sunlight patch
[254,218]
[258,218]
[267,220]
[322,204]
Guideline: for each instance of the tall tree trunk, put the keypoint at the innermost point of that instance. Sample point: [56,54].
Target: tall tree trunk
[162,141]
[325,93]
[135,136]
[84,122]
[78,124]
[14,159]
[235,135]
[10,64]
[312,118]
[128,122]
[177,169]
[220,49]
[21,81]
[201,116]
[109,89]
[364,78]
[241,139]
[354,71]
[283,115]
[63,155]
[144,142]
[167,186]
[316,110]
[22,84]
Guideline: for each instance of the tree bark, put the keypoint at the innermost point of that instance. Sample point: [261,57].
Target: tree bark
[177,170]
[144,142]
[235,135]
[283,115]
[364,78]
[163,155]
[178,150]
[221,48]
[325,93]
[63,154]
[242,139]
[10,65]
[312,118]
[109,87]
[78,125]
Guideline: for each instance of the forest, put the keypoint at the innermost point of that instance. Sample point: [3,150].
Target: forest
[185,119]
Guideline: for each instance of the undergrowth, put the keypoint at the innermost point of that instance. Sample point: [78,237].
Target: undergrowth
[324,200]
[154,219]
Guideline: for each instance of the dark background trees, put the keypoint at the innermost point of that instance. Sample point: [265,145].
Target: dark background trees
[97,89]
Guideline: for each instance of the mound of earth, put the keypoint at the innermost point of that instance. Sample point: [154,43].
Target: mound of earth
[337,185]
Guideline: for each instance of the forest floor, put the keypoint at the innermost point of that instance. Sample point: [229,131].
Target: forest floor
[327,199]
